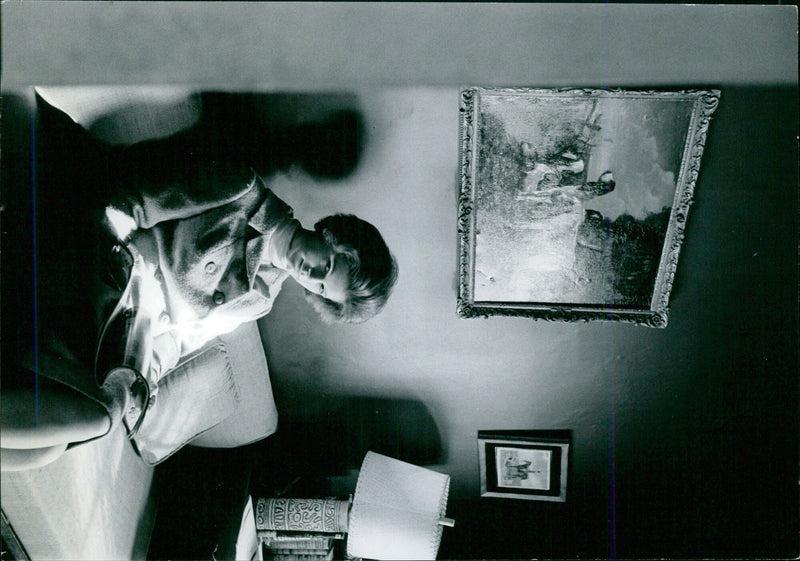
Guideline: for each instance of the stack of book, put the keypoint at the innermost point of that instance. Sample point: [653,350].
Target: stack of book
[300,548]
[248,544]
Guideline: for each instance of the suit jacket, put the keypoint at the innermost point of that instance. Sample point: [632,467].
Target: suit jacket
[208,245]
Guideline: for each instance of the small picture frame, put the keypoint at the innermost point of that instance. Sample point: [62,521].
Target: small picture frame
[529,465]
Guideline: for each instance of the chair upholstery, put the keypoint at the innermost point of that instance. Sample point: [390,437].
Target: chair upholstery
[126,115]
[221,397]
[256,415]
[96,500]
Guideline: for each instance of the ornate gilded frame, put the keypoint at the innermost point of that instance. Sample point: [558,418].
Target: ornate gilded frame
[697,107]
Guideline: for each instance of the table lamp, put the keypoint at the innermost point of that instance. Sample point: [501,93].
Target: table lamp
[397,512]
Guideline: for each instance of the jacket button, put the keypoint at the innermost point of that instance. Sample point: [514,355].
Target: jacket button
[211,267]
[219,297]
[164,318]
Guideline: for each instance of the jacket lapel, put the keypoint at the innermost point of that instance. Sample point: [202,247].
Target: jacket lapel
[271,212]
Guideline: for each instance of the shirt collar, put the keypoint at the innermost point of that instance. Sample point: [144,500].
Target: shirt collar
[279,242]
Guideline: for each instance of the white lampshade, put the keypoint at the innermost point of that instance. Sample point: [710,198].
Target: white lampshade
[398,510]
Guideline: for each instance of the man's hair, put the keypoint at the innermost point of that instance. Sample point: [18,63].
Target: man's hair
[372,269]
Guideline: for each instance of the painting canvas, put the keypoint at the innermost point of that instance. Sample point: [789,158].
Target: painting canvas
[573,202]
[524,469]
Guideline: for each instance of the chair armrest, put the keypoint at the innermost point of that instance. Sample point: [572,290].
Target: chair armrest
[192,398]
[256,416]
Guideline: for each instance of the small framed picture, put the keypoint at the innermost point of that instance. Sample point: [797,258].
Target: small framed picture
[528,465]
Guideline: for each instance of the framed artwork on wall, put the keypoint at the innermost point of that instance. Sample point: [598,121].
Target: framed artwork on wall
[573,202]
[528,465]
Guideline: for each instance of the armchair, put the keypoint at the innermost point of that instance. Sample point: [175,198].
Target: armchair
[97,501]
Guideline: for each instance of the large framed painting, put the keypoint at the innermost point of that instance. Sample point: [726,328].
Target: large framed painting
[530,465]
[573,202]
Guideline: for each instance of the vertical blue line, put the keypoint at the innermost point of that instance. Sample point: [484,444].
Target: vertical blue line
[34,291]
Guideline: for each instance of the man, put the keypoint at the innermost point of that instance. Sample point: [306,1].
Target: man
[208,247]
[207,272]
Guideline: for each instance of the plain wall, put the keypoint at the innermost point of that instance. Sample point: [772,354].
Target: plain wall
[684,439]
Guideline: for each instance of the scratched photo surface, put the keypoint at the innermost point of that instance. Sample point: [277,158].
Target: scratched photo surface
[574,195]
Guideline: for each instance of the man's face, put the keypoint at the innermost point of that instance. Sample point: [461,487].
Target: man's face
[316,267]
